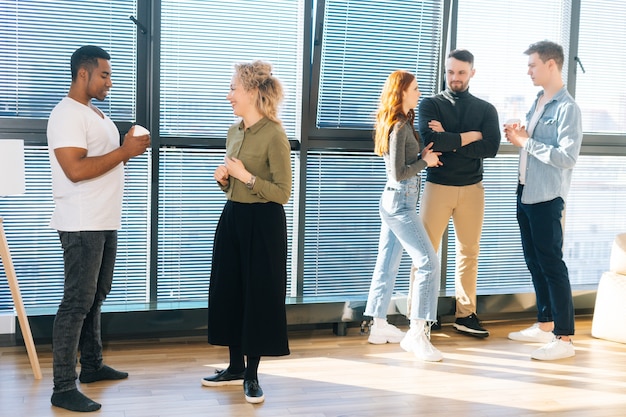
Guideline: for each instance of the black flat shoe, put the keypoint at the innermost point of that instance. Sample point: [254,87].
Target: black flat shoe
[253,392]
[223,377]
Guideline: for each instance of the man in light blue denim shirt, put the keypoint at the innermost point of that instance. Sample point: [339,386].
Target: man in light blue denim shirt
[549,150]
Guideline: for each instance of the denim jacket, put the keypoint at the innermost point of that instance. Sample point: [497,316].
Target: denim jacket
[553,149]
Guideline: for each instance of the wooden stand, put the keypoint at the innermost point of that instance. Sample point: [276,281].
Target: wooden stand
[19,304]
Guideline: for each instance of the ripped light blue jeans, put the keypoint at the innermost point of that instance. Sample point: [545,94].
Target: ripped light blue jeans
[402,228]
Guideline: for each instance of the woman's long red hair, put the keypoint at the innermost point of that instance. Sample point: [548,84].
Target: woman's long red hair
[390,109]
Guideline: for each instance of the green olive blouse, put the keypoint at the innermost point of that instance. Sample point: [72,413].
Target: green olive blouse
[265,152]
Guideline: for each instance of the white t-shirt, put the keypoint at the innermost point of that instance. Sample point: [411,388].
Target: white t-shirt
[94,204]
[523,154]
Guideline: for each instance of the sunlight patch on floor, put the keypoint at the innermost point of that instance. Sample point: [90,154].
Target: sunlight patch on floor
[511,382]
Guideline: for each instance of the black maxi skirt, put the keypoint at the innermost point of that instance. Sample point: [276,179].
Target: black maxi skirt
[249,279]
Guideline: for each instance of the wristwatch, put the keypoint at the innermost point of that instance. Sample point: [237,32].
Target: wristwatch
[250,183]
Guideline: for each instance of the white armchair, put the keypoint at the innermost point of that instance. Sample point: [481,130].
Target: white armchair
[609,315]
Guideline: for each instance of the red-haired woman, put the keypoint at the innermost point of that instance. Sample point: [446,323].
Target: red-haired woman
[398,143]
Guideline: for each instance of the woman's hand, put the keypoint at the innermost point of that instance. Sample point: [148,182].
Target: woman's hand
[236,169]
[431,157]
[221,175]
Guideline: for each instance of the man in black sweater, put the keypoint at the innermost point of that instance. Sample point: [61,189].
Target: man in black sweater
[466,130]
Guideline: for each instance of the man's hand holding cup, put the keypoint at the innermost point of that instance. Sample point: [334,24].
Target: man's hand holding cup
[515,132]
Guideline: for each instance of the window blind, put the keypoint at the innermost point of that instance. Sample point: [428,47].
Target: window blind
[592,219]
[190,204]
[362,43]
[200,42]
[594,215]
[501,79]
[498,33]
[501,265]
[343,225]
[601,45]
[37,39]
[36,249]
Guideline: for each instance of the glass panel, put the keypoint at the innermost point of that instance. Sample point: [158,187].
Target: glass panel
[365,41]
[36,250]
[37,39]
[593,217]
[190,204]
[200,42]
[342,224]
[506,29]
[601,50]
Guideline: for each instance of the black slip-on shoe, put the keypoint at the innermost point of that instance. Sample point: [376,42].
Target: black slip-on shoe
[223,377]
[253,391]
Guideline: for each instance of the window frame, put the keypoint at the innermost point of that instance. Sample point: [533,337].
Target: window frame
[312,139]
[350,139]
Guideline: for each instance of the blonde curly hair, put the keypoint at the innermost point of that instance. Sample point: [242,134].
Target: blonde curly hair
[257,75]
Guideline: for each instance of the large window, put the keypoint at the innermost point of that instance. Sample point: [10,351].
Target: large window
[342,224]
[501,79]
[37,39]
[338,53]
[592,218]
[362,43]
[498,33]
[36,249]
[600,91]
[190,204]
[200,42]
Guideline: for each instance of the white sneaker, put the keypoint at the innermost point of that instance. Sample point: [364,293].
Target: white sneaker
[418,342]
[532,334]
[384,333]
[556,349]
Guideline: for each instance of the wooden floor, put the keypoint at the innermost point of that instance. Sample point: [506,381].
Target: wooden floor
[328,375]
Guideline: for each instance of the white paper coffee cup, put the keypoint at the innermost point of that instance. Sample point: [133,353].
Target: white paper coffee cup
[514,123]
[140,131]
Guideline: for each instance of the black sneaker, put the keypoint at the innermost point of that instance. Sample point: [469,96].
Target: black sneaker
[253,392]
[437,324]
[470,325]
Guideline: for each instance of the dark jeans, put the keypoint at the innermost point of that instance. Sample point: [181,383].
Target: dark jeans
[89,259]
[542,241]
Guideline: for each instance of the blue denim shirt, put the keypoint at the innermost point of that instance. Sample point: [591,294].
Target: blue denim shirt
[553,149]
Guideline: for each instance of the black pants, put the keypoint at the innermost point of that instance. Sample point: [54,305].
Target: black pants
[249,280]
[541,231]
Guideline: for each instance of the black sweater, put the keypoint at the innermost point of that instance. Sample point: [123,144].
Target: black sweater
[458,113]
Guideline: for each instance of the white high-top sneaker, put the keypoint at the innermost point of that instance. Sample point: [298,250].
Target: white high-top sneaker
[382,332]
[417,340]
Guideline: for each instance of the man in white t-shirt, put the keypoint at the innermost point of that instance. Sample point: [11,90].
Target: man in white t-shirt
[87,181]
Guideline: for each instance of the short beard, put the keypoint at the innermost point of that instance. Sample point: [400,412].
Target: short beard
[459,89]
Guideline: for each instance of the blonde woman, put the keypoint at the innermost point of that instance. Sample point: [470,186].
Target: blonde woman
[249,265]
[398,143]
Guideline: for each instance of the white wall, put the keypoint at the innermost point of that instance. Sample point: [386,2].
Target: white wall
[7,323]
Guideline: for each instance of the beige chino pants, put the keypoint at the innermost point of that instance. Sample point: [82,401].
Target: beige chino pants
[466,206]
